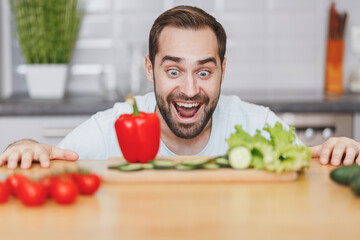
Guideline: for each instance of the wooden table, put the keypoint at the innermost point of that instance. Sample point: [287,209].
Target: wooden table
[313,207]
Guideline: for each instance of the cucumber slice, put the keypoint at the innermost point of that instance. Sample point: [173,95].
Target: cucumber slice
[131,167]
[163,164]
[210,166]
[344,174]
[183,167]
[148,165]
[118,166]
[195,162]
[222,162]
[240,157]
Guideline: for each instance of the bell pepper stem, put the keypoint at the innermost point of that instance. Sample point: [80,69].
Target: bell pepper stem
[131,100]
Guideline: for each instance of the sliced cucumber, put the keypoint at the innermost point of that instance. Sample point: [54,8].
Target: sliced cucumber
[163,164]
[118,166]
[148,165]
[240,157]
[183,167]
[211,166]
[195,162]
[131,167]
[222,162]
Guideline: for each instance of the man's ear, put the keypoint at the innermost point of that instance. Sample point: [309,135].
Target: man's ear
[223,67]
[149,69]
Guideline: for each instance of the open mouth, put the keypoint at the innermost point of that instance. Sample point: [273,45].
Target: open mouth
[187,110]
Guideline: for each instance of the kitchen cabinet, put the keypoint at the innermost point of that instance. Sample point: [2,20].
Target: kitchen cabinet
[44,129]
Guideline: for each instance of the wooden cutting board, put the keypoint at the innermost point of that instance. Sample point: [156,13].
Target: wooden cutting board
[100,167]
[194,176]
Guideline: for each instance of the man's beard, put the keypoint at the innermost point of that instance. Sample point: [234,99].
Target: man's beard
[181,130]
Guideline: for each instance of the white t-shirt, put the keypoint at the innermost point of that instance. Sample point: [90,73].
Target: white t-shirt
[96,137]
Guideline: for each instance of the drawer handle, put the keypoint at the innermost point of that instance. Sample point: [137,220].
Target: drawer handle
[56,132]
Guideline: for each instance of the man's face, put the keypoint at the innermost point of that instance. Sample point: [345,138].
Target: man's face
[187,76]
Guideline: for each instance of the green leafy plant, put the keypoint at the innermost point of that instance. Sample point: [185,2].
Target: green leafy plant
[47,29]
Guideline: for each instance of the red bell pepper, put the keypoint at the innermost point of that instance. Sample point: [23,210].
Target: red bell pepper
[138,134]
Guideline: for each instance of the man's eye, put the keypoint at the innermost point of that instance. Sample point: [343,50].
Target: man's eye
[204,73]
[173,72]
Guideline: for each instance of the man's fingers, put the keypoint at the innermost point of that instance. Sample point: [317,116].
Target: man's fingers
[13,159]
[27,158]
[58,153]
[351,152]
[3,158]
[316,150]
[326,151]
[337,154]
[358,159]
[44,159]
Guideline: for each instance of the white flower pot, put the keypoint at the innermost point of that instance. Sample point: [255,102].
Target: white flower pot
[46,81]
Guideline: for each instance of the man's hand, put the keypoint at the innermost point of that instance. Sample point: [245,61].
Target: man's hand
[336,149]
[27,151]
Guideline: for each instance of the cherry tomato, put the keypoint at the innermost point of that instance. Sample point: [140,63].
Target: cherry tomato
[47,181]
[32,193]
[64,190]
[13,182]
[87,184]
[4,192]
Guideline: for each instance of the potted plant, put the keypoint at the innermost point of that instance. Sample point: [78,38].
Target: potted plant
[47,31]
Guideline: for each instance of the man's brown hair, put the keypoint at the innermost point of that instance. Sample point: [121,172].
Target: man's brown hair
[186,17]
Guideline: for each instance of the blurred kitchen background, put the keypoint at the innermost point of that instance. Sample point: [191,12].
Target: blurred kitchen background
[276,56]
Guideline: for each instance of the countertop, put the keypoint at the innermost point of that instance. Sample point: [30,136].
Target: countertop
[280,101]
[313,207]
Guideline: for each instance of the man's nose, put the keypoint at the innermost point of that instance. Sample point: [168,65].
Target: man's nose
[190,86]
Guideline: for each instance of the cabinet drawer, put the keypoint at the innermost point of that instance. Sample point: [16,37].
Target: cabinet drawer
[44,129]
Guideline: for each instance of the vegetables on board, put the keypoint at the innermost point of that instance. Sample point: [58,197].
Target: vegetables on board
[4,192]
[163,164]
[131,167]
[138,134]
[222,162]
[240,157]
[277,154]
[197,163]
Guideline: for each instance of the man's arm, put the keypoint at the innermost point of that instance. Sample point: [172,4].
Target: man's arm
[335,149]
[27,151]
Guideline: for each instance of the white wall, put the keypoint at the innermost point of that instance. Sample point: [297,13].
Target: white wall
[272,44]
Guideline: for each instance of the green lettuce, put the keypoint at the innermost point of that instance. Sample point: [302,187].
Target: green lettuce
[277,154]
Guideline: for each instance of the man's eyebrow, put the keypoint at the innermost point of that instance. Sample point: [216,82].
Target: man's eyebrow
[206,60]
[171,58]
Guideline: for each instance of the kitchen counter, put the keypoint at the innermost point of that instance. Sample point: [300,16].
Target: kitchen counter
[281,101]
[304,101]
[313,207]
[83,105]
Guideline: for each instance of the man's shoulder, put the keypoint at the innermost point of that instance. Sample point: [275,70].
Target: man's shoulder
[233,105]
